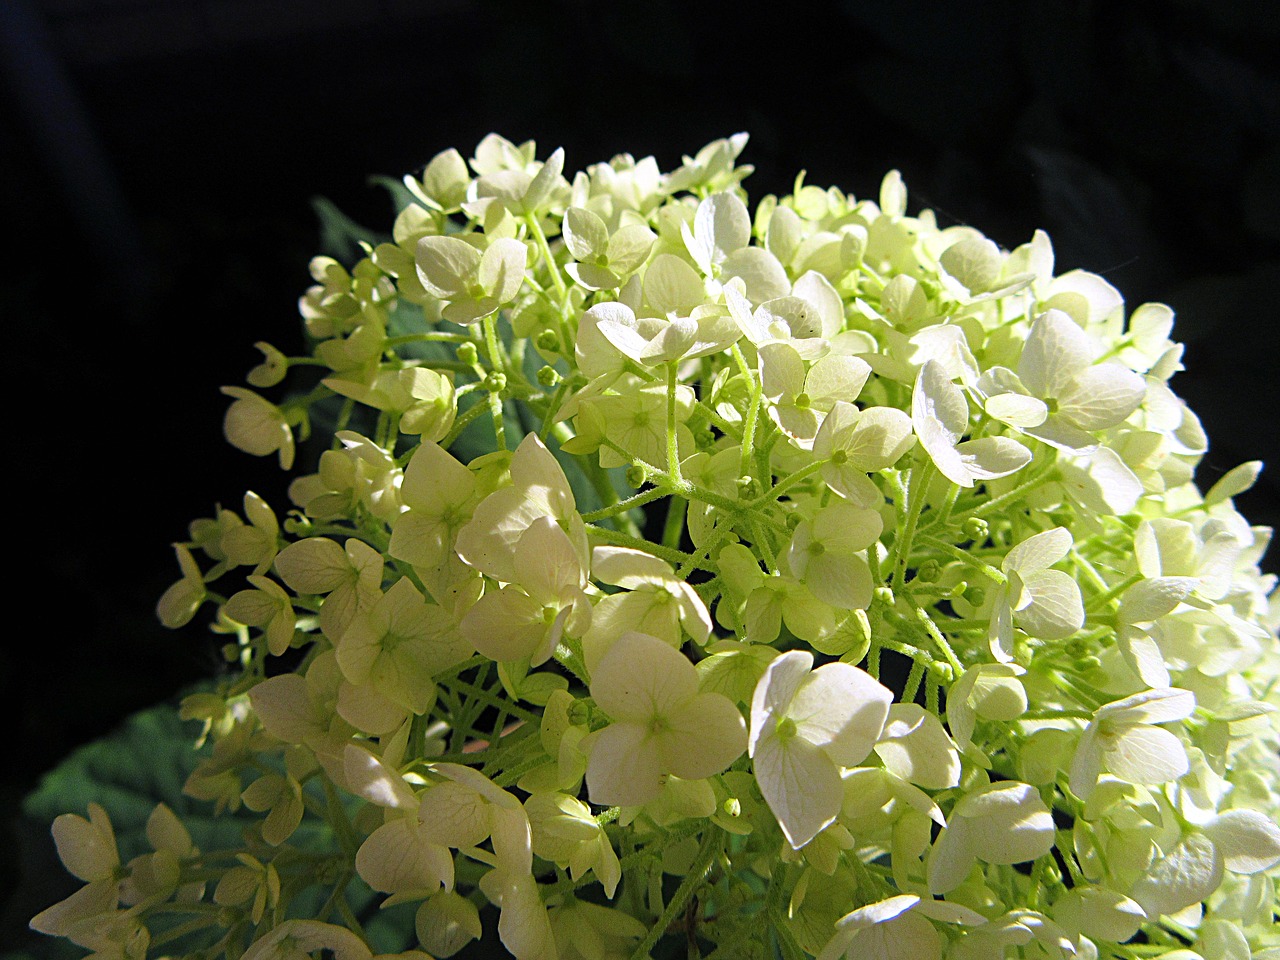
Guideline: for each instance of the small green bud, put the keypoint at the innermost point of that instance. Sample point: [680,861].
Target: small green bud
[1087,664]
[975,528]
[929,572]
[579,713]
[298,525]
[548,342]
[1051,875]
[884,595]
[732,807]
[958,591]
[495,382]
[468,354]
[746,487]
[637,475]
[975,595]
[941,672]
[549,376]
[793,521]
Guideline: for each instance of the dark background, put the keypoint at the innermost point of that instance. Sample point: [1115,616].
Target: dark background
[158,159]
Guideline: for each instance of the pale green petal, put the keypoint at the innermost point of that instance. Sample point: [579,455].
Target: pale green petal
[397,857]
[624,767]
[915,747]
[671,286]
[641,678]
[777,687]
[1057,351]
[1039,552]
[445,265]
[992,457]
[702,736]
[1056,610]
[447,922]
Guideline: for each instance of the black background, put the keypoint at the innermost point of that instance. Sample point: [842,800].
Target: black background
[158,158]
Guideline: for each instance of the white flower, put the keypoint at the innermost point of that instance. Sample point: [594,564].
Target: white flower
[1122,740]
[661,723]
[895,929]
[1045,603]
[1003,822]
[940,415]
[805,724]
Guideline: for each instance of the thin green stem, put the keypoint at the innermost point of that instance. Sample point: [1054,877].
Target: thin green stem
[918,486]
[711,846]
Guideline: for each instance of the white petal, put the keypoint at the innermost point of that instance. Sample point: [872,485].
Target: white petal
[1248,841]
[703,736]
[775,690]
[951,858]
[841,709]
[445,264]
[915,747]
[1151,706]
[992,457]
[1056,352]
[1056,610]
[641,678]
[1191,871]
[801,785]
[1147,755]
[1039,552]
[624,767]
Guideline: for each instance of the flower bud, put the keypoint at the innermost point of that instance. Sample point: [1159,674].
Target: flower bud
[468,353]
[548,342]
[549,376]
[975,528]
[929,572]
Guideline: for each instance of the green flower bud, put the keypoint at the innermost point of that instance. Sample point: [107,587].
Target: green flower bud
[495,382]
[549,376]
[929,572]
[975,528]
[884,595]
[637,475]
[548,342]
[468,353]
[975,595]
[941,672]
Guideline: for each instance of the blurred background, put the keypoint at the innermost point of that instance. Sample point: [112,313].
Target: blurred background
[160,160]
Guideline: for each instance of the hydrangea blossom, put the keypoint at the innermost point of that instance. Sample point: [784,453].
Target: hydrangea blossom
[800,579]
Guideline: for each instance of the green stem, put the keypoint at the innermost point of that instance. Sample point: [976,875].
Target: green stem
[495,397]
[951,550]
[673,528]
[711,846]
[647,546]
[918,486]
[489,699]
[673,440]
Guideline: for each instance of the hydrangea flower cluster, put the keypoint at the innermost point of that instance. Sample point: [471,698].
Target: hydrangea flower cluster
[586,627]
